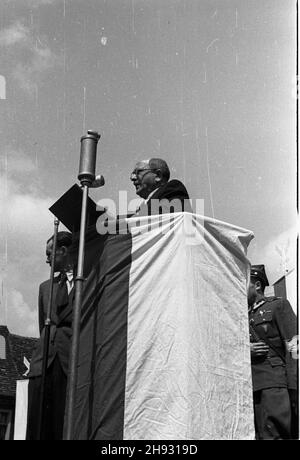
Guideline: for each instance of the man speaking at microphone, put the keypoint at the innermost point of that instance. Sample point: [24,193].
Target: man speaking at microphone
[151,181]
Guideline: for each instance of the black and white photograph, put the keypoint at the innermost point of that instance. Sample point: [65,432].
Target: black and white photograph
[149,222]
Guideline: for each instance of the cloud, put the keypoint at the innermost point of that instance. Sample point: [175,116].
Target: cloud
[21,318]
[37,3]
[27,214]
[16,33]
[18,162]
[19,173]
[25,225]
[29,75]
[34,60]
[2,87]
[278,255]
[33,3]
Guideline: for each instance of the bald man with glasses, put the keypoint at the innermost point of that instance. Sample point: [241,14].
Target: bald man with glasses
[161,195]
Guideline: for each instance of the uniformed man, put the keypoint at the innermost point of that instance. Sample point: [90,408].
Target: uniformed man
[273,331]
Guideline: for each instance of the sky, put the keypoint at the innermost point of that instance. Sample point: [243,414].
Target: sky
[208,85]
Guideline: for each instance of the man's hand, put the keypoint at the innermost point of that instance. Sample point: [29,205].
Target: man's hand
[258,349]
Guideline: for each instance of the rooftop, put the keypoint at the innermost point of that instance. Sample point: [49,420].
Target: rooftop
[13,349]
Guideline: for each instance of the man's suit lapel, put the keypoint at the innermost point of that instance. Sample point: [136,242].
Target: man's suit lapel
[142,210]
[156,196]
[145,208]
[66,308]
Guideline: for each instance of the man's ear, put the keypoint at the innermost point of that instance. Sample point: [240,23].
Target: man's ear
[258,286]
[64,250]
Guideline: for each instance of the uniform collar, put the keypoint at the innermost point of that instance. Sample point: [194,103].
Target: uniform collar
[258,304]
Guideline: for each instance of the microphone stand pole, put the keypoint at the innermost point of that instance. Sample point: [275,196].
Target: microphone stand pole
[86,176]
[42,402]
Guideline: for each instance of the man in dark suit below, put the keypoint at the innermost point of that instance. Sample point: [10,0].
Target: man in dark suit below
[273,337]
[59,346]
[151,181]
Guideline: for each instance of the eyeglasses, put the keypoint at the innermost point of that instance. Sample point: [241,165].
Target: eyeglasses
[137,172]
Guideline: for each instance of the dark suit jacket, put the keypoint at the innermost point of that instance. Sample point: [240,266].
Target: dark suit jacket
[44,293]
[173,191]
[60,329]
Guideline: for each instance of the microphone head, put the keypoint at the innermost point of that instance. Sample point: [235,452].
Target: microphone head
[98,182]
[88,153]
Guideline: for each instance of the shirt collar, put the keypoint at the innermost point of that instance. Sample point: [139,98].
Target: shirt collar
[70,275]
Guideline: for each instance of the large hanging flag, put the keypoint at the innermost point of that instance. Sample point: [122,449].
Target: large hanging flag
[164,342]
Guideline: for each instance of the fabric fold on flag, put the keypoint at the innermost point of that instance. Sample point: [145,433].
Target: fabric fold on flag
[164,343]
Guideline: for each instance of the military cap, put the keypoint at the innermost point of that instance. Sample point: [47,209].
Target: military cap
[258,271]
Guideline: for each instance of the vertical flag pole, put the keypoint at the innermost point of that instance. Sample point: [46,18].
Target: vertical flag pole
[42,402]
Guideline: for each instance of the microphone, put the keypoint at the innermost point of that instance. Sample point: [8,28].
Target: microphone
[88,153]
[98,182]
